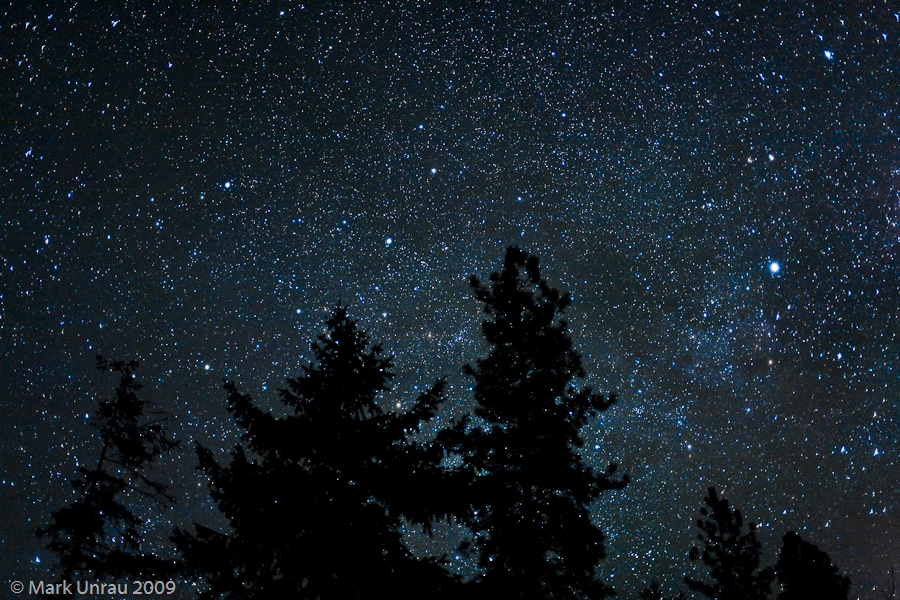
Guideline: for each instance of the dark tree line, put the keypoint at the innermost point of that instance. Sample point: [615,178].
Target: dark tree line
[316,501]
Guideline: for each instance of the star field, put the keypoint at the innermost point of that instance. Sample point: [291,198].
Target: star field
[718,188]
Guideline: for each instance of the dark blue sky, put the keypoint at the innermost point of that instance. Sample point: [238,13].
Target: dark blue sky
[718,188]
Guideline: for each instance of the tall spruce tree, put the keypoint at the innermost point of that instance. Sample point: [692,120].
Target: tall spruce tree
[805,573]
[315,499]
[730,553]
[98,536]
[529,490]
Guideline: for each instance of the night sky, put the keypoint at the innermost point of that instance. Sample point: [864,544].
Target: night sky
[718,188]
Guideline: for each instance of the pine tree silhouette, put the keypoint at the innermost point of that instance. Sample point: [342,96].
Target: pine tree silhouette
[529,489]
[731,554]
[315,499]
[806,573]
[98,536]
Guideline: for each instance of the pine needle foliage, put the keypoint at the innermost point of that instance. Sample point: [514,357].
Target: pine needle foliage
[528,489]
[315,499]
[98,535]
[806,573]
[730,553]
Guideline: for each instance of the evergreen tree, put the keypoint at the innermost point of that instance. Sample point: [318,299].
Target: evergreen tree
[315,499]
[731,554]
[529,490]
[98,536]
[806,573]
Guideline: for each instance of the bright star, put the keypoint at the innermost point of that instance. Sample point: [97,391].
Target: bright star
[388,242]
[774,267]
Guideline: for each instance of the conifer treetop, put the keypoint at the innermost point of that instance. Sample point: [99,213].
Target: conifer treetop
[528,488]
[731,554]
[98,534]
[316,499]
[533,361]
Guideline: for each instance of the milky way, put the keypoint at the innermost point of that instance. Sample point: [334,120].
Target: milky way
[717,187]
